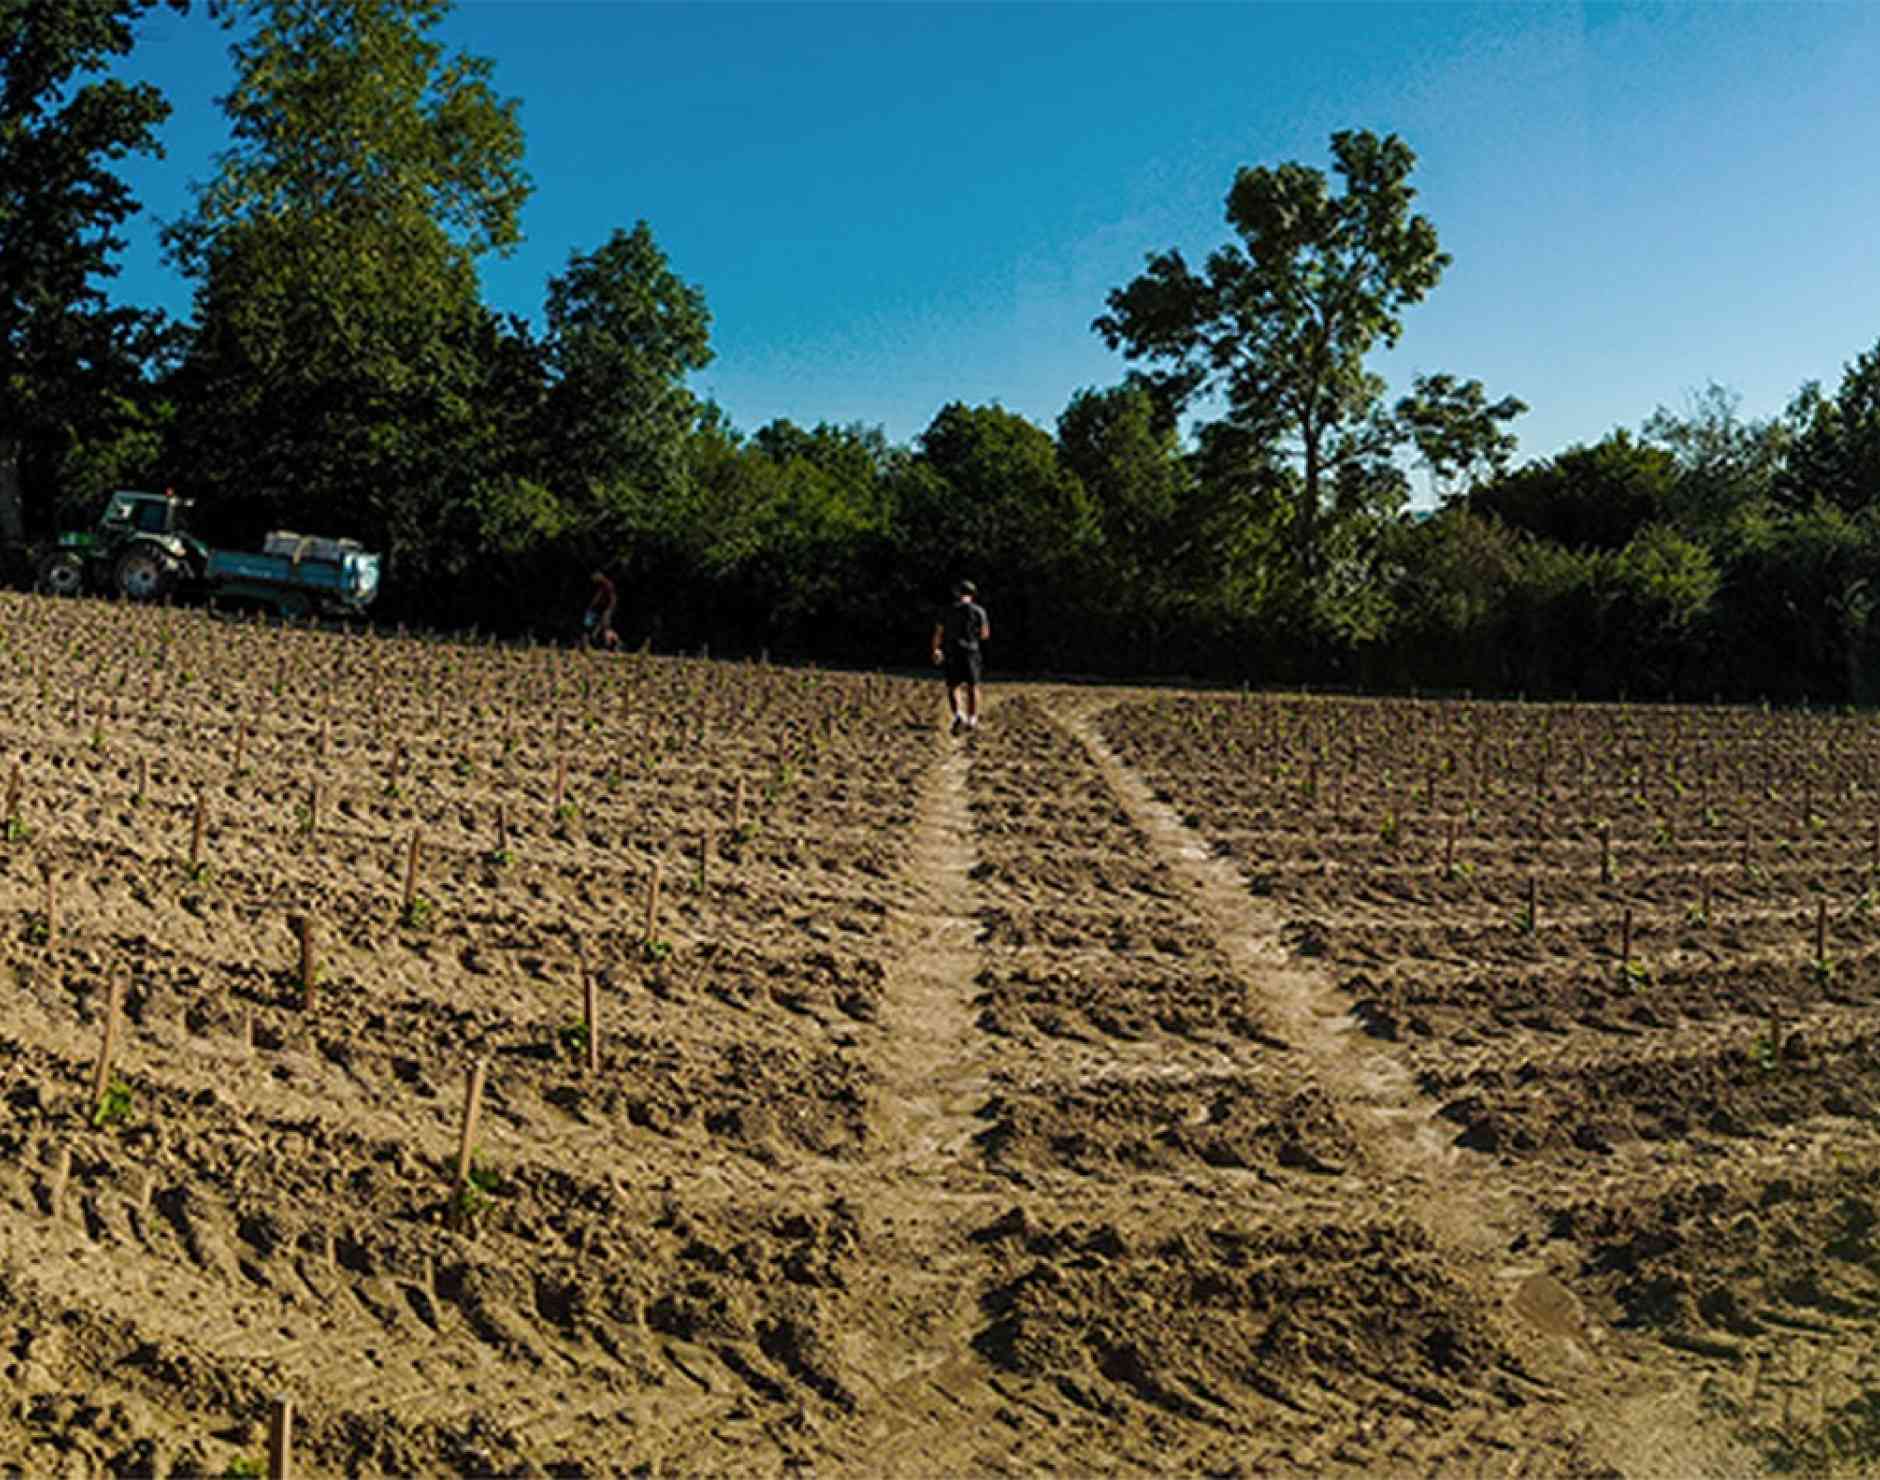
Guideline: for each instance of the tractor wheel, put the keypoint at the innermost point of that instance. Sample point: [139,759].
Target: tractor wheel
[145,573]
[62,574]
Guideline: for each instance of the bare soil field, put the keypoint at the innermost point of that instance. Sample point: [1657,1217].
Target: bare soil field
[527,1062]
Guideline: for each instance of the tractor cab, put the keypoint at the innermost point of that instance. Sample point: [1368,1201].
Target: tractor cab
[144,513]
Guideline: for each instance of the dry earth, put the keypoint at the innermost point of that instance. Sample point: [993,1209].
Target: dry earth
[1145,1084]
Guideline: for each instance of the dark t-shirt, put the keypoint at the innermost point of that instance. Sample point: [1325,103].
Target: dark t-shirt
[603,596]
[963,622]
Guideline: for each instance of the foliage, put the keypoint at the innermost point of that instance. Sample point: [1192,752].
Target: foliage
[1595,497]
[342,361]
[988,496]
[1279,323]
[1833,454]
[1457,431]
[1725,465]
[70,364]
[622,332]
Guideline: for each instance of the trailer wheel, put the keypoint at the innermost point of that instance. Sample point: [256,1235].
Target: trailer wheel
[145,573]
[62,574]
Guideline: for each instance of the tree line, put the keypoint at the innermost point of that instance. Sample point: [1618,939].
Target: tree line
[1235,507]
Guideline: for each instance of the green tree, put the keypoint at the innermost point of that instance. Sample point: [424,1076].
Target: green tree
[1834,441]
[622,333]
[1595,497]
[1724,464]
[343,361]
[1279,323]
[988,496]
[69,363]
[1458,431]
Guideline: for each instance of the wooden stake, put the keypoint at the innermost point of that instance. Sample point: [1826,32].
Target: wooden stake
[467,1133]
[1821,930]
[652,904]
[737,805]
[195,832]
[561,781]
[309,961]
[61,1174]
[101,1075]
[1625,939]
[248,1029]
[502,829]
[590,1010]
[411,871]
[281,1440]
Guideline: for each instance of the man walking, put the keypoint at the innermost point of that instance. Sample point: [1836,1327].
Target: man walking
[956,638]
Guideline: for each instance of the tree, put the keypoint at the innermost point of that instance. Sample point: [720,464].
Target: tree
[68,361]
[1834,441]
[342,353]
[988,497]
[1595,497]
[1457,431]
[623,331]
[1278,324]
[1724,464]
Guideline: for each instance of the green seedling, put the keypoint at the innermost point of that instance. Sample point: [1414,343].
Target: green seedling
[573,1038]
[1820,971]
[498,858]
[14,831]
[655,950]
[245,1467]
[567,812]
[196,872]
[468,1202]
[463,768]
[1391,831]
[1462,870]
[1637,975]
[418,914]
[37,932]
[114,1105]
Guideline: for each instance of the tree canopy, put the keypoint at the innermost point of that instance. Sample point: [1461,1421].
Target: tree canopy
[1278,323]
[67,359]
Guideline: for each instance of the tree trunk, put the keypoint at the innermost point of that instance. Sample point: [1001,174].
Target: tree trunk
[1309,512]
[12,515]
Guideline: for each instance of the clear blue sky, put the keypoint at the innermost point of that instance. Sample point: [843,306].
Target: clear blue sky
[891,206]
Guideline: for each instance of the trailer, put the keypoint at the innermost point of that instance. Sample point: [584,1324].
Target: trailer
[140,550]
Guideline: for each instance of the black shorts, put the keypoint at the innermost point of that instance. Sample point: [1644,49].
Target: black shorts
[963,667]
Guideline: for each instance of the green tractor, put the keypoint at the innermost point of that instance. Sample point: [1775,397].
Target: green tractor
[138,549]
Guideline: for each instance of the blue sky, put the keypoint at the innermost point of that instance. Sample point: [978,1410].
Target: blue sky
[892,206]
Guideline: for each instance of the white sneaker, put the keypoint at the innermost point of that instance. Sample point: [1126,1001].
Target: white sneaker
[973,723]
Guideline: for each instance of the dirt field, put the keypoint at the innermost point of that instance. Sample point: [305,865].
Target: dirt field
[1149,1083]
